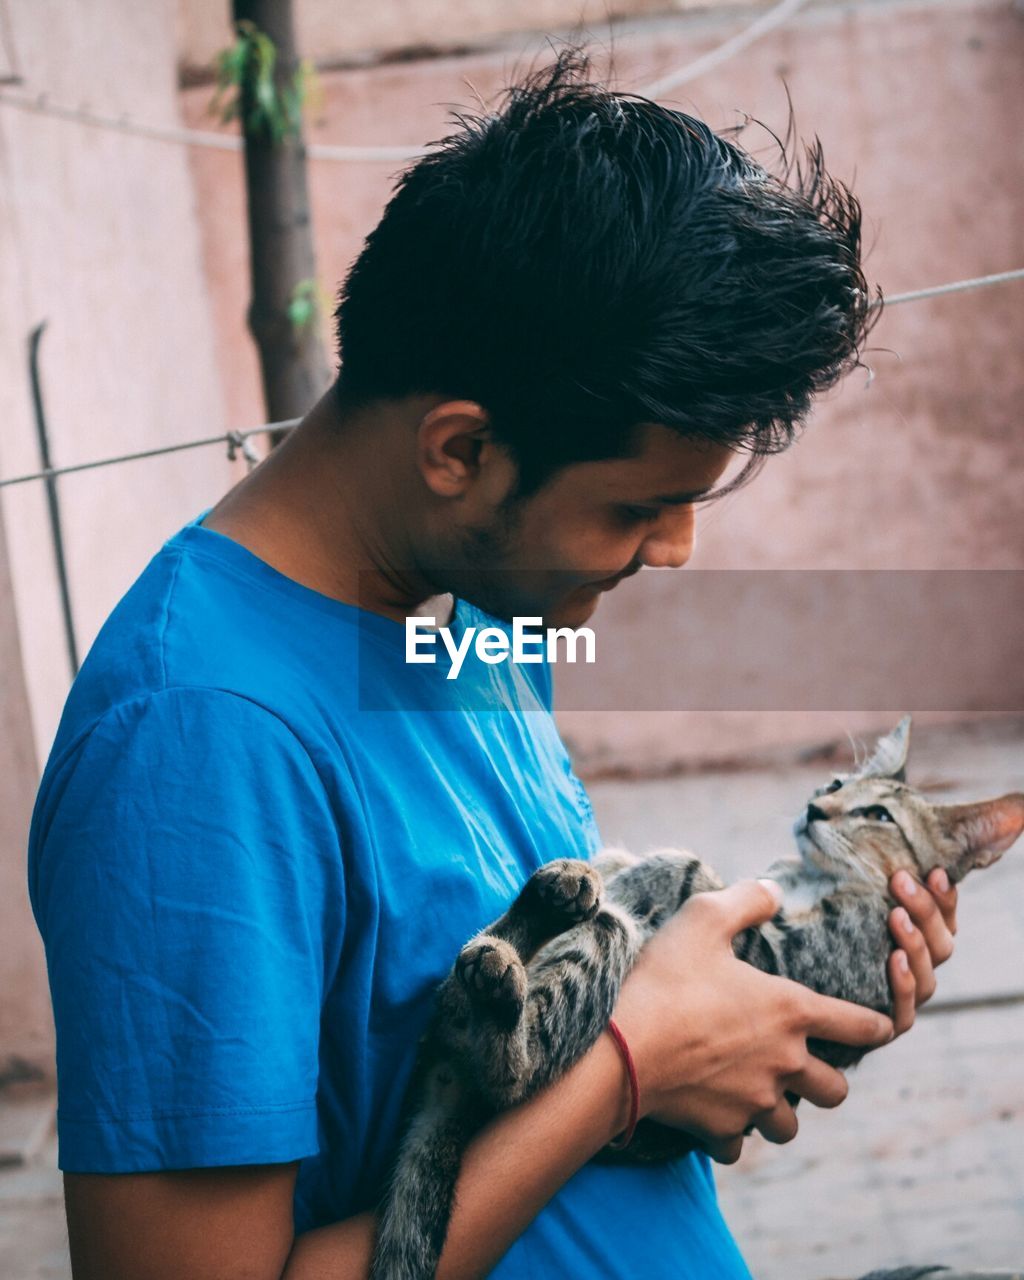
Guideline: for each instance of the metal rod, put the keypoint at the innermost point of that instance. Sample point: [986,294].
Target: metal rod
[52,500]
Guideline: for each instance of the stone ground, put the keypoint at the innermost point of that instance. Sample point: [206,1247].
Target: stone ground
[925,1160]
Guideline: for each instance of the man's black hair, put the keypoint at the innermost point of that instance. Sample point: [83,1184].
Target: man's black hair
[582,261]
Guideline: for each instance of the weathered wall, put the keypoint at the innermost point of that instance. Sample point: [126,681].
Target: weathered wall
[331,32]
[100,240]
[97,237]
[26,1031]
[921,470]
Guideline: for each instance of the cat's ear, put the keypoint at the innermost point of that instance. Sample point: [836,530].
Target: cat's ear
[984,830]
[889,758]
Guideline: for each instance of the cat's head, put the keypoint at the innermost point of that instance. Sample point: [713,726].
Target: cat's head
[869,824]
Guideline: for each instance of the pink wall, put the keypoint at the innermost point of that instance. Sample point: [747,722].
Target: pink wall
[26,1031]
[97,237]
[388,25]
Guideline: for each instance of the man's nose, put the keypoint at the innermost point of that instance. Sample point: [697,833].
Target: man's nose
[670,543]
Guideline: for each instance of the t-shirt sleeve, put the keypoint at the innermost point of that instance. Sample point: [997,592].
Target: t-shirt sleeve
[188,885]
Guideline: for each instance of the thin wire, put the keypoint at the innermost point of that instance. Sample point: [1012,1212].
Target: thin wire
[728,49]
[236,440]
[958,286]
[41,105]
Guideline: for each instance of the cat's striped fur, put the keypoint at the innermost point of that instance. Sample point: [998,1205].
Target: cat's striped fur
[529,995]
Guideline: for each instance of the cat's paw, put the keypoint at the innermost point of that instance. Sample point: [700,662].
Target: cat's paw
[568,888]
[493,976]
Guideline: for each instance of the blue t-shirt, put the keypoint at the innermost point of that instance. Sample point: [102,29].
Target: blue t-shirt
[249,884]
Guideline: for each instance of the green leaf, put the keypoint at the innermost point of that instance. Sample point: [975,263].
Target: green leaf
[304,304]
[246,71]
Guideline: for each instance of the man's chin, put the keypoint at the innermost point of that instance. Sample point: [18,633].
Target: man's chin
[575,611]
[571,610]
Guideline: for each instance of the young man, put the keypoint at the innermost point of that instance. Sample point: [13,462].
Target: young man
[573,316]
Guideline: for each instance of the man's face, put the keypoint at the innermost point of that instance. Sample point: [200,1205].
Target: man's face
[593,524]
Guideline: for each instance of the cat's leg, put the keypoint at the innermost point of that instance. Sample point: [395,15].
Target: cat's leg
[484,997]
[517,1027]
[572,984]
[573,988]
[532,1021]
[557,896]
[491,966]
[414,1213]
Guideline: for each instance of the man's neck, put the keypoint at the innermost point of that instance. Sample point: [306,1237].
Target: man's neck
[315,510]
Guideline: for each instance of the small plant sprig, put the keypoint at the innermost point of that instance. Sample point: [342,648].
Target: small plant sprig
[275,110]
[307,305]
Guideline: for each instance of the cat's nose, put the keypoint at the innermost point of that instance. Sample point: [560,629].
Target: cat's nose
[814,814]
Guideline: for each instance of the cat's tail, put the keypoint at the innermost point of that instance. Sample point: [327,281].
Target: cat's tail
[414,1217]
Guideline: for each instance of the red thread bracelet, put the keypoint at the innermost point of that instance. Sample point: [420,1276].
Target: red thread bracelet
[626,1137]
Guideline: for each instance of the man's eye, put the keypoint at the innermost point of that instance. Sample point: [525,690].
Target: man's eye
[876,813]
[641,515]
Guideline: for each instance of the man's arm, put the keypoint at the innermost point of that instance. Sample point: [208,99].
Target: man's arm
[226,1224]
[230,1224]
[717,1045]
[200,1223]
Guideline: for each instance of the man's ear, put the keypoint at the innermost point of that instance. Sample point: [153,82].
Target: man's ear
[450,439]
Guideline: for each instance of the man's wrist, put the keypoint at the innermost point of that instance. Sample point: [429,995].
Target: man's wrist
[620,1112]
[622,1044]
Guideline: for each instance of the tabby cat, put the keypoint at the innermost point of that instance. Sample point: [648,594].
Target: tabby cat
[530,995]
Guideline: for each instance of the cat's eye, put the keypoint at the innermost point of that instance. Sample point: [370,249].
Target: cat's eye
[875,813]
[834,785]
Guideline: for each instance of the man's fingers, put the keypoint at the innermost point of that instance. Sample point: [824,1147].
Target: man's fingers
[819,1083]
[778,1125]
[945,896]
[912,941]
[730,911]
[926,914]
[827,1018]
[904,1000]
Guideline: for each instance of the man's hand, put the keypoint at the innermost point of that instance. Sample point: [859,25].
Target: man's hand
[923,927]
[717,1043]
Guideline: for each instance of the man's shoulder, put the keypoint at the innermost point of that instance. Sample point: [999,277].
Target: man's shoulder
[203,615]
